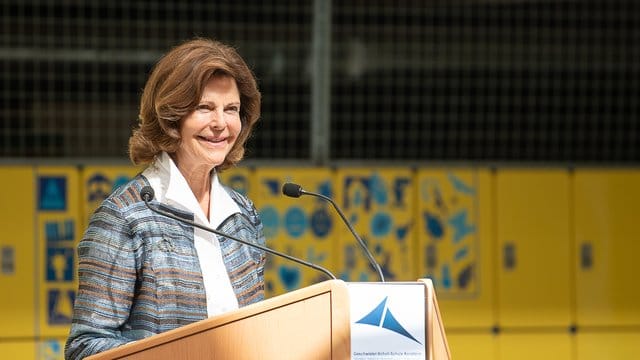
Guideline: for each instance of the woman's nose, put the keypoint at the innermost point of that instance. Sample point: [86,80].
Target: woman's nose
[218,120]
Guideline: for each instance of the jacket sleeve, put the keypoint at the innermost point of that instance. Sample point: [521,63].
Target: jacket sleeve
[106,284]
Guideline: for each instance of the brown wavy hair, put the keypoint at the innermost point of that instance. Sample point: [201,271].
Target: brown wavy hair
[175,88]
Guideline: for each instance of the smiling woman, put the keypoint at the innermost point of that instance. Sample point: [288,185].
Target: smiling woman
[175,89]
[141,273]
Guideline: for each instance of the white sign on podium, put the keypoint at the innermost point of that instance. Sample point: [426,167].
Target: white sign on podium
[387,321]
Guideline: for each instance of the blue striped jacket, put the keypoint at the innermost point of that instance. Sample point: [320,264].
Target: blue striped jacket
[139,273]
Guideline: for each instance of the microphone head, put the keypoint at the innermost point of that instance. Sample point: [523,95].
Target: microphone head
[147,193]
[292,190]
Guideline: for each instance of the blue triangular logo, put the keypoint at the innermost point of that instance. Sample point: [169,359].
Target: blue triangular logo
[382,317]
[374,317]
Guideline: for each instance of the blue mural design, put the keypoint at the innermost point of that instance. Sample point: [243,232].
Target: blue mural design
[378,190]
[272,185]
[98,187]
[295,222]
[465,277]
[289,276]
[445,277]
[399,191]
[381,224]
[60,264]
[60,306]
[450,263]
[315,258]
[52,193]
[270,221]
[460,186]
[433,226]
[51,350]
[402,231]
[325,189]
[321,223]
[461,226]
[357,192]
[54,233]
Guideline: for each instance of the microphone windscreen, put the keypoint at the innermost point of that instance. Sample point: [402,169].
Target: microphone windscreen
[147,193]
[292,190]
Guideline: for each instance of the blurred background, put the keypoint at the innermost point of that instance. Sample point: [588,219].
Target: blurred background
[490,145]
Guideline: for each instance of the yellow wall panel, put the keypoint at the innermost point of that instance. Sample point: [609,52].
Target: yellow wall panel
[608,345]
[23,350]
[380,203]
[455,237]
[472,346]
[17,261]
[535,346]
[607,210]
[533,234]
[57,209]
[301,227]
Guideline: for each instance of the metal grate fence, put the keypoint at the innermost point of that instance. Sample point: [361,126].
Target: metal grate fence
[499,81]
[457,81]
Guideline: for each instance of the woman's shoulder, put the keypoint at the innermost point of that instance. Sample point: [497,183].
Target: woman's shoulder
[128,193]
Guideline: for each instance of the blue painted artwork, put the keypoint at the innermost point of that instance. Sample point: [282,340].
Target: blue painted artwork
[60,306]
[51,350]
[56,231]
[295,222]
[272,185]
[402,231]
[313,257]
[460,186]
[399,187]
[98,187]
[325,189]
[52,193]
[321,222]
[465,277]
[357,193]
[381,224]
[461,226]
[434,226]
[60,264]
[378,190]
[289,277]
[450,255]
[446,281]
[270,221]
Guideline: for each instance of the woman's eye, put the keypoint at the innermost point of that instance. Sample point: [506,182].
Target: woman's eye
[233,109]
[203,108]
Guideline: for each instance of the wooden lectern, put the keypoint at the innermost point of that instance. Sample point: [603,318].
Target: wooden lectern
[309,323]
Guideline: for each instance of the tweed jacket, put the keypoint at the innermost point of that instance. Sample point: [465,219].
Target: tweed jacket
[139,272]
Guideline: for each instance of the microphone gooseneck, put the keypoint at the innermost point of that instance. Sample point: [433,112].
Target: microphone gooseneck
[295,190]
[147,194]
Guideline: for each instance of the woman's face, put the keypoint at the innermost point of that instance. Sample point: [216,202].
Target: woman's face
[209,132]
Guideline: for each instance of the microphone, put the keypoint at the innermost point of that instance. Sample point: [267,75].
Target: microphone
[295,190]
[147,194]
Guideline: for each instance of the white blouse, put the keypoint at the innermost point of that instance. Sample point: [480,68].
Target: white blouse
[171,188]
